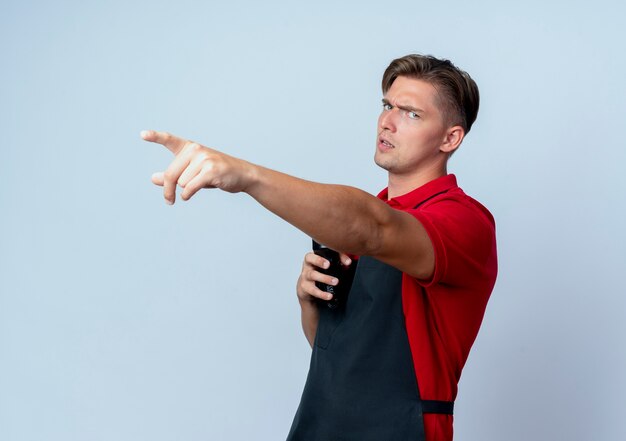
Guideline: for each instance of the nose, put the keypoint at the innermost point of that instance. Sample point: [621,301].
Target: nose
[387,120]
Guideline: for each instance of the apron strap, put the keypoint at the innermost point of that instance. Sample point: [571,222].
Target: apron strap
[428,199]
[434,406]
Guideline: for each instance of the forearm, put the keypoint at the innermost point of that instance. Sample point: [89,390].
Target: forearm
[341,217]
[310,319]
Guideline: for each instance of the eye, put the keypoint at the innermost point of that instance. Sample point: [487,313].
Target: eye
[387,106]
[412,115]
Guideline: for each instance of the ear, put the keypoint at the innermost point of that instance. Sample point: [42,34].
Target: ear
[453,138]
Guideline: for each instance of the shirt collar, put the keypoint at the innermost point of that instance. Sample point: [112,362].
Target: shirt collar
[420,194]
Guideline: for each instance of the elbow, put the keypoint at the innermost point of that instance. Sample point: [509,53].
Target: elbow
[371,237]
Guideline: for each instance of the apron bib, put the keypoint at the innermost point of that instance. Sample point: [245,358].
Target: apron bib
[361,384]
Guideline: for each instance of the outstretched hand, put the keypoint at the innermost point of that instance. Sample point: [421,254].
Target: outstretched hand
[195,167]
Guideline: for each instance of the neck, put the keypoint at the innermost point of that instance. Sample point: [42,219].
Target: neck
[402,184]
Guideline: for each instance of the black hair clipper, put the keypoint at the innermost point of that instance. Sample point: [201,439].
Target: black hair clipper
[345,275]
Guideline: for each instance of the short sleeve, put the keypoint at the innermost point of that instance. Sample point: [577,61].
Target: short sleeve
[463,236]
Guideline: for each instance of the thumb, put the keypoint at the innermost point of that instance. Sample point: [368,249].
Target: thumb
[158,178]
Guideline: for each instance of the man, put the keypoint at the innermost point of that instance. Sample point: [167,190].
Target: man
[385,365]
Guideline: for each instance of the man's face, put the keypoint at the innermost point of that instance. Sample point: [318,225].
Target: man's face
[411,128]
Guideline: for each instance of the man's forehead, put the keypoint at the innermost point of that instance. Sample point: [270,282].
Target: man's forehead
[412,92]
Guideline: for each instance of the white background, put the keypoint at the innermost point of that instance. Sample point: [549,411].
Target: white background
[122,318]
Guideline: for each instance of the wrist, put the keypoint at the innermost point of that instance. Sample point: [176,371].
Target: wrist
[253,174]
[307,302]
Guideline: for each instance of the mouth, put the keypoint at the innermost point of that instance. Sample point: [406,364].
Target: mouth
[384,144]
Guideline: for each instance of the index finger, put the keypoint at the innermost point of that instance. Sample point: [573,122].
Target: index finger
[345,259]
[173,143]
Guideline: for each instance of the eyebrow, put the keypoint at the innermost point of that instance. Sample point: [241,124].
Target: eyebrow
[405,107]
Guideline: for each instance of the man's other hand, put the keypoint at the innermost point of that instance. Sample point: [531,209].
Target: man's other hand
[306,288]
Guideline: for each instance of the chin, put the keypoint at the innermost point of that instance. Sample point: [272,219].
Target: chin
[383,164]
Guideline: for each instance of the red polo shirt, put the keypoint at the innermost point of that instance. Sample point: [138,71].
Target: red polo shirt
[443,314]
